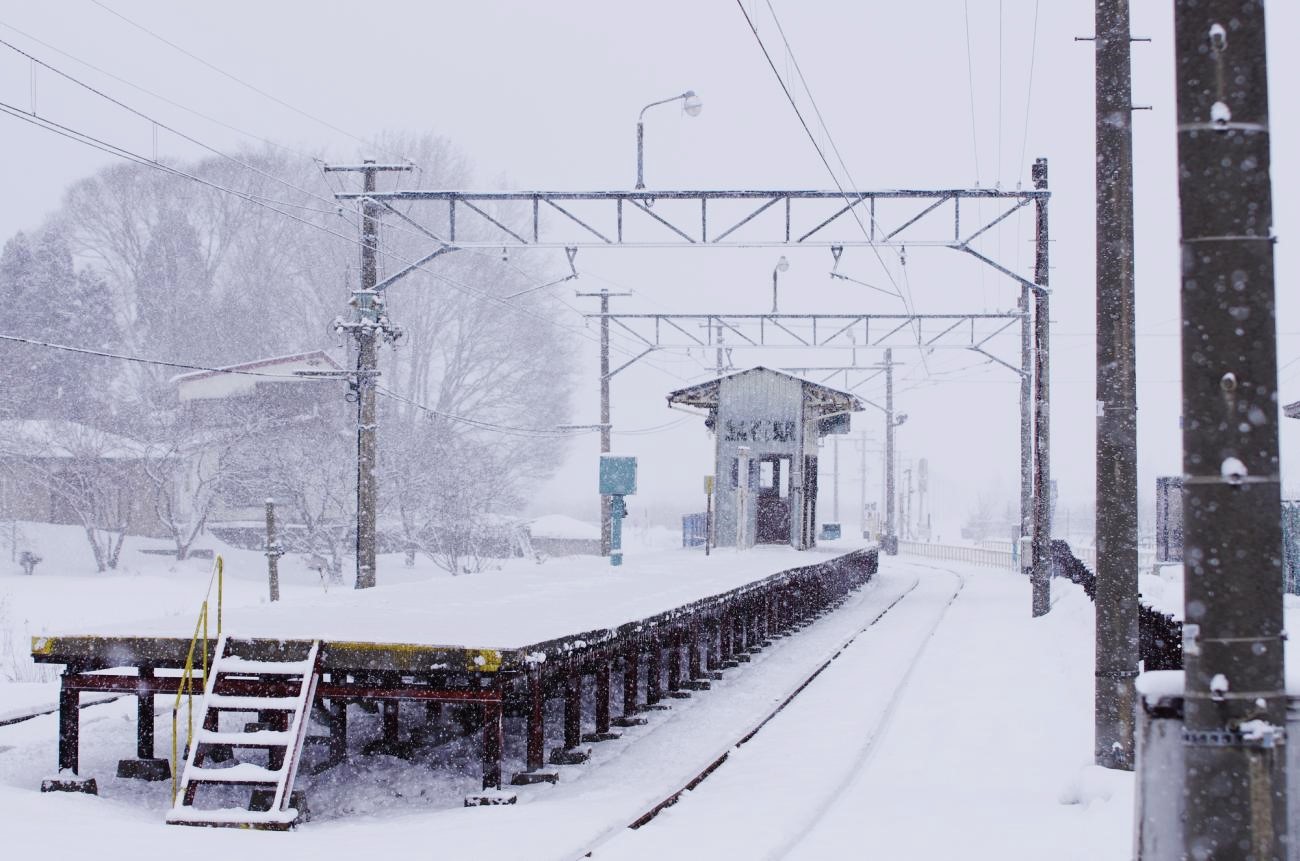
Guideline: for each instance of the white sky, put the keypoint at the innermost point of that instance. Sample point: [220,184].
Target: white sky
[545,95]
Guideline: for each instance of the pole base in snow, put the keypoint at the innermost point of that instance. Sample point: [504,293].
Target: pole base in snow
[70,784]
[528,778]
[628,721]
[144,769]
[570,755]
[696,685]
[490,798]
[593,737]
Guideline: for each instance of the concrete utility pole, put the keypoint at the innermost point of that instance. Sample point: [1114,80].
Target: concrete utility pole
[835,474]
[862,511]
[367,324]
[1235,704]
[606,509]
[1040,576]
[890,542]
[273,552]
[1116,492]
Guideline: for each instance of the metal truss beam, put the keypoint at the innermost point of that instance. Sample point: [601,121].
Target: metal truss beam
[718,218]
[810,331]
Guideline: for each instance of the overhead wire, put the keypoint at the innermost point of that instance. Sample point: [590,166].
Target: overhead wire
[235,371]
[852,205]
[158,96]
[481,423]
[272,204]
[232,77]
[160,124]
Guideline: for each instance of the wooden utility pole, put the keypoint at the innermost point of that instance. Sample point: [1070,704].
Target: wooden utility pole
[1116,490]
[368,323]
[1234,698]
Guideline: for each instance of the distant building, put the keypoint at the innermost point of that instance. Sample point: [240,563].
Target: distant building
[52,469]
[267,393]
[560,535]
[767,425]
[1292,411]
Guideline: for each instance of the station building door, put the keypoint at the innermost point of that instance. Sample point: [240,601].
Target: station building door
[773,497]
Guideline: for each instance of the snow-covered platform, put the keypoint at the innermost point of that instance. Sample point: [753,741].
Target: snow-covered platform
[492,640]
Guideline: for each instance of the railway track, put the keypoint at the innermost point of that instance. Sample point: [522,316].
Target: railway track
[853,761]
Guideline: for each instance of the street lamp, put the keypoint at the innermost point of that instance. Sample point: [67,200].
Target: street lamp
[782,265]
[691,104]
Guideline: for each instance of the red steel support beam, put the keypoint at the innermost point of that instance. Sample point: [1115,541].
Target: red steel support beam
[573,707]
[536,721]
[69,727]
[654,673]
[693,650]
[631,660]
[144,737]
[602,694]
[493,736]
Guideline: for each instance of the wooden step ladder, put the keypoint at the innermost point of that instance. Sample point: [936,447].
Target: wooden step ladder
[276,680]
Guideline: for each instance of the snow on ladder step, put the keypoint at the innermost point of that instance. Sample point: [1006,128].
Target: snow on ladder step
[284,747]
[227,702]
[258,738]
[232,816]
[265,668]
[244,772]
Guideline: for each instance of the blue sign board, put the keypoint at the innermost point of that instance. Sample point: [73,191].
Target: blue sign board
[617,475]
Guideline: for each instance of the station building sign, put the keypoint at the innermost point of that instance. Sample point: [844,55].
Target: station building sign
[758,430]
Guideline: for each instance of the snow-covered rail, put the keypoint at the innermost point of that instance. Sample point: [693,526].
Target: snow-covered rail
[783,812]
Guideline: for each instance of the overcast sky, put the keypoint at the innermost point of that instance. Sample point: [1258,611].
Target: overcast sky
[545,95]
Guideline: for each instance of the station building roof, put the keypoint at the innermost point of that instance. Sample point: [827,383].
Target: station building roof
[819,400]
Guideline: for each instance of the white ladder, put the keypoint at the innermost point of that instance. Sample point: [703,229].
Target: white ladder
[282,692]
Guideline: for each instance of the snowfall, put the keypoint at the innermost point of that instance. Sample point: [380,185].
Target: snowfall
[949,724]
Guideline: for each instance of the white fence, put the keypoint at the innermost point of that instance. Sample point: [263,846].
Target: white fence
[959,553]
[999,555]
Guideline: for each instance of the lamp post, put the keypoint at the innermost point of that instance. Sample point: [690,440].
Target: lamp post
[782,265]
[691,104]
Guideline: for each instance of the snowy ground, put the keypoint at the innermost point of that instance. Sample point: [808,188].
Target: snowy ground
[952,727]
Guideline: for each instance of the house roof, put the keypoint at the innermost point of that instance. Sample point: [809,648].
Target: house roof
[64,440]
[823,400]
[312,357]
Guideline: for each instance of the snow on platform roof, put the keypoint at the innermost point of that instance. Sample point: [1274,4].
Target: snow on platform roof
[522,605]
[822,399]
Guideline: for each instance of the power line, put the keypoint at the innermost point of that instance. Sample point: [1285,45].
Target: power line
[1029,91]
[159,124]
[852,205]
[142,360]
[226,74]
[970,82]
[185,366]
[479,423]
[156,95]
[267,203]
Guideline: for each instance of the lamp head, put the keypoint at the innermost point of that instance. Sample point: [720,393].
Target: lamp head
[691,103]
[782,265]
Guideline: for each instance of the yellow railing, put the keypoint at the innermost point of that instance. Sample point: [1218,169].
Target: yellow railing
[186,688]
